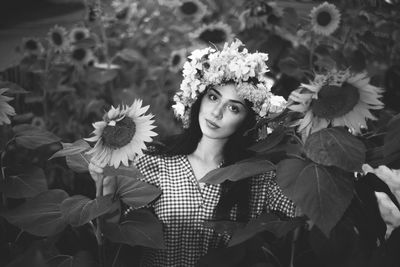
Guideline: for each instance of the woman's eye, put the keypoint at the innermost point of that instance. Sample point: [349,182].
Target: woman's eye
[212,97]
[234,109]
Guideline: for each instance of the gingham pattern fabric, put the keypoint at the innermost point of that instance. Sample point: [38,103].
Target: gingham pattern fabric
[184,206]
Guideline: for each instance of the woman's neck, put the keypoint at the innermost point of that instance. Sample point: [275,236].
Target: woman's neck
[210,150]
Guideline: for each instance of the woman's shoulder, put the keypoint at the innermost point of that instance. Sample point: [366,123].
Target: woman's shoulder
[158,159]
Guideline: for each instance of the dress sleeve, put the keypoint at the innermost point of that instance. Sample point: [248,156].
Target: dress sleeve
[149,166]
[267,195]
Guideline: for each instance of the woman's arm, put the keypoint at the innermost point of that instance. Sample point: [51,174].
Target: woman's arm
[267,195]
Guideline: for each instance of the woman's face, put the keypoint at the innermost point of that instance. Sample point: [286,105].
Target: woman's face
[222,112]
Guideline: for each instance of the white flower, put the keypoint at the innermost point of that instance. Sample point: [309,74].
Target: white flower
[389,176]
[389,212]
[122,134]
[179,109]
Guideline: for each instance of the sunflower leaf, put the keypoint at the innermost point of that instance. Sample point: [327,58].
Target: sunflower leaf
[265,222]
[322,193]
[136,193]
[32,137]
[29,183]
[238,171]
[141,228]
[270,142]
[41,215]
[80,209]
[71,148]
[336,147]
[78,162]
[13,88]
[392,137]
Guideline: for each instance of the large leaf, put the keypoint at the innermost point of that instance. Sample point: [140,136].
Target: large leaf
[26,184]
[322,193]
[336,147]
[72,148]
[80,259]
[136,193]
[32,137]
[238,171]
[141,228]
[270,142]
[79,209]
[392,137]
[265,222]
[13,88]
[78,162]
[130,171]
[40,215]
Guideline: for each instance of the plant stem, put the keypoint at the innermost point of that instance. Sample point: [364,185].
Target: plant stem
[46,82]
[103,37]
[295,237]
[99,235]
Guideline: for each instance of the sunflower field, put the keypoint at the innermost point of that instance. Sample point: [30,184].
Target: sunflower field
[335,147]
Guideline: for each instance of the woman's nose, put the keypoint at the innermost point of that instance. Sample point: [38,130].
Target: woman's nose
[218,111]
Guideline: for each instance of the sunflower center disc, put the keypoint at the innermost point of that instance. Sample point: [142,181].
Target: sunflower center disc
[324,18]
[79,36]
[31,45]
[57,38]
[335,101]
[215,36]
[189,8]
[119,135]
[79,54]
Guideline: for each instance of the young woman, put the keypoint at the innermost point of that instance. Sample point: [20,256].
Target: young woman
[222,96]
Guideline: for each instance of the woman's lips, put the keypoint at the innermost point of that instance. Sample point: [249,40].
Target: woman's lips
[211,124]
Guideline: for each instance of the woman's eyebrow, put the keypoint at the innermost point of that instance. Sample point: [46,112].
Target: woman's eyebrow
[231,100]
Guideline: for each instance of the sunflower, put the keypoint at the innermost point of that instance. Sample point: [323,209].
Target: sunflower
[339,98]
[260,14]
[58,39]
[78,34]
[177,59]
[5,109]
[82,56]
[122,134]
[32,47]
[217,34]
[192,9]
[325,19]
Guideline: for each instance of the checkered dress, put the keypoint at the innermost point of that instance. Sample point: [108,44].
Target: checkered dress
[184,205]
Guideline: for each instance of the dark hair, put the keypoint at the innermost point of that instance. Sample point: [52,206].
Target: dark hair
[185,143]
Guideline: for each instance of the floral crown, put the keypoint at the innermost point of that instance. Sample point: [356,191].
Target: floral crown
[209,66]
